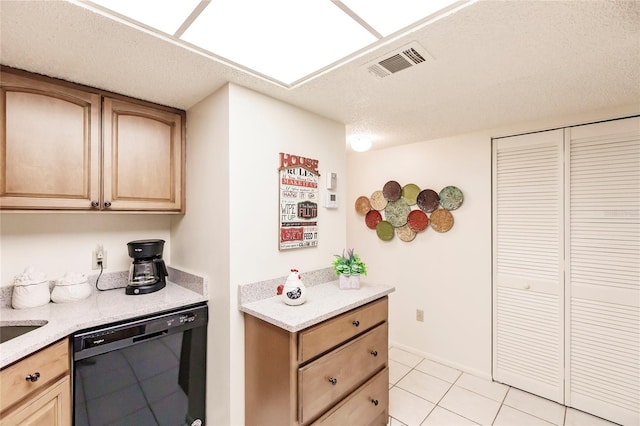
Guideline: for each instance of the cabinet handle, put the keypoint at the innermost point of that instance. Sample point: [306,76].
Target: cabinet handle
[374,353]
[356,323]
[333,380]
[33,377]
[95,204]
[107,204]
[374,402]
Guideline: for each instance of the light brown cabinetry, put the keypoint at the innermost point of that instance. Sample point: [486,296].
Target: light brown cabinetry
[335,372]
[37,390]
[143,150]
[67,147]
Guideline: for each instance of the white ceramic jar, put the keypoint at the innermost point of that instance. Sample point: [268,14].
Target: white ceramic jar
[70,288]
[30,289]
[294,291]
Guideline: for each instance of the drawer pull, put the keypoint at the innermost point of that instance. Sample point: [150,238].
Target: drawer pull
[33,377]
[356,323]
[333,380]
[374,353]
[374,402]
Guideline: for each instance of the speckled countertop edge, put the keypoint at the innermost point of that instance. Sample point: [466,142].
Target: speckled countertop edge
[99,308]
[324,301]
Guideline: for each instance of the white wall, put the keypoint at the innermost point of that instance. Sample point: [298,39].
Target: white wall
[447,275]
[234,138]
[56,243]
[200,238]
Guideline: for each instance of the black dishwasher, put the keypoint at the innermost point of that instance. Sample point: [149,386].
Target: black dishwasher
[146,371]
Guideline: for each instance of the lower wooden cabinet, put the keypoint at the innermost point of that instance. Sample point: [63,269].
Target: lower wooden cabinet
[335,372]
[37,390]
[366,406]
[49,408]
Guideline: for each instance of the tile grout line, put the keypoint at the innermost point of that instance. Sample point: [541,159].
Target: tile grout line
[504,398]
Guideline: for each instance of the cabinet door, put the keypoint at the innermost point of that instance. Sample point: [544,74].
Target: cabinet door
[528,280]
[603,298]
[49,145]
[51,408]
[143,157]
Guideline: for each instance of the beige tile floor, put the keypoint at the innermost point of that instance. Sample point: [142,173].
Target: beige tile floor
[426,393]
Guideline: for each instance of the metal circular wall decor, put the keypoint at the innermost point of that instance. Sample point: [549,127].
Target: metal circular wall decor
[428,200]
[410,193]
[407,211]
[385,230]
[451,198]
[392,190]
[418,220]
[378,202]
[372,219]
[363,205]
[441,220]
[405,233]
[396,212]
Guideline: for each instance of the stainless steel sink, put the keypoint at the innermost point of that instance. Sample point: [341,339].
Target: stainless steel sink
[9,331]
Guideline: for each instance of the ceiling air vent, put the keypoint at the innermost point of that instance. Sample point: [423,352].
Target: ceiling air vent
[398,60]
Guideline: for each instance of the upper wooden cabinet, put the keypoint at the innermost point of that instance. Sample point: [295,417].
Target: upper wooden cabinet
[143,157]
[50,145]
[64,147]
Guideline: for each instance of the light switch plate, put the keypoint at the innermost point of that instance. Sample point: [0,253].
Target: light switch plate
[332,180]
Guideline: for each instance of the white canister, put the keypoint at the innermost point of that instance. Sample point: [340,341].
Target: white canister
[70,288]
[30,289]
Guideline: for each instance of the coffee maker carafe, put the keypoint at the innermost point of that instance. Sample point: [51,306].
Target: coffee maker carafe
[148,271]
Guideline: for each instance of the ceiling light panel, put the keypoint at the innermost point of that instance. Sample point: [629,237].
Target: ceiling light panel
[164,15]
[389,16]
[283,39]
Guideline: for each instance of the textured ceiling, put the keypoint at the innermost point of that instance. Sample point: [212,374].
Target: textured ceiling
[495,63]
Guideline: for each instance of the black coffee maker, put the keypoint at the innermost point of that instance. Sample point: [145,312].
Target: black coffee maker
[148,271]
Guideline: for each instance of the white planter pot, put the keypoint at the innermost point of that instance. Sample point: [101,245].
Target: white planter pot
[349,282]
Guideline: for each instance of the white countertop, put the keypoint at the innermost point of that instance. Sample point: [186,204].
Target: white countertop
[324,301]
[100,308]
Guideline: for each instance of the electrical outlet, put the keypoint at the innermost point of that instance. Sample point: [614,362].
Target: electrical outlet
[419,315]
[99,254]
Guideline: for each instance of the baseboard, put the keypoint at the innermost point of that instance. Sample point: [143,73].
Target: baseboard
[442,361]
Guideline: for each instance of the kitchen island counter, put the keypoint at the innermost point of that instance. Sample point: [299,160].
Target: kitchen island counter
[101,307]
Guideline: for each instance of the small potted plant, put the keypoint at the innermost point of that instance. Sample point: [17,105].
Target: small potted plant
[348,267]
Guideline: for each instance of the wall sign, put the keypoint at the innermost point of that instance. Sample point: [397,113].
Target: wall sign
[298,202]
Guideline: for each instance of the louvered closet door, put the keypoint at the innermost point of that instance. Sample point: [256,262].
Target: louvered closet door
[528,277]
[603,251]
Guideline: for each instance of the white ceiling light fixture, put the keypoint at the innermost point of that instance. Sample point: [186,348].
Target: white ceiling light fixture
[282,39]
[287,42]
[361,143]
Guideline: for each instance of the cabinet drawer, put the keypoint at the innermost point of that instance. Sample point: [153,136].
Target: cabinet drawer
[331,333]
[326,380]
[365,406]
[50,408]
[50,363]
